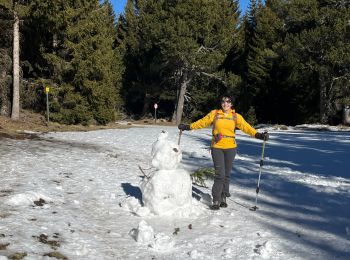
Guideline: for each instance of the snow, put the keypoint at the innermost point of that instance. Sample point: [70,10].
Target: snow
[80,194]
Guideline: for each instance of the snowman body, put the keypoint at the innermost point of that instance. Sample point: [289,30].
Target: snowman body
[168,189]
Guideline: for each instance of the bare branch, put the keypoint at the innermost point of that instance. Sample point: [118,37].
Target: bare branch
[143,172]
[213,76]
[206,49]
[336,78]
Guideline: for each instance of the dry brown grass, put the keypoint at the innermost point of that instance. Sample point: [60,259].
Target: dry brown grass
[30,124]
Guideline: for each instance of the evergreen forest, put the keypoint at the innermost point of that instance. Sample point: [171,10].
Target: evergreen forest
[285,61]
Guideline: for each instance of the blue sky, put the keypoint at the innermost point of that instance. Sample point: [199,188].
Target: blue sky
[119,5]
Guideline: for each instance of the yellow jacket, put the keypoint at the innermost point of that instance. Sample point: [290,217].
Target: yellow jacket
[224,125]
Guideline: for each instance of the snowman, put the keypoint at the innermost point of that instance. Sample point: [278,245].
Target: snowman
[168,190]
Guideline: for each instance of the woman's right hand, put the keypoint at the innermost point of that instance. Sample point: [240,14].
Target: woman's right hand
[262,136]
[184,127]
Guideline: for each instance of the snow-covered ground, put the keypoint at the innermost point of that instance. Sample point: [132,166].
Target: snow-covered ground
[65,193]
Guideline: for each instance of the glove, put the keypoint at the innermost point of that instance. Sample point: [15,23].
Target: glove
[184,127]
[262,136]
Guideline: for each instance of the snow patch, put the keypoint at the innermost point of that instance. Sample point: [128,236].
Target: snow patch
[215,221]
[347,230]
[144,234]
[133,205]
[26,199]
[265,250]
[329,184]
[162,243]
[195,254]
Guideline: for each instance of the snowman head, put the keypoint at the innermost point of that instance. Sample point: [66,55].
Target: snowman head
[166,155]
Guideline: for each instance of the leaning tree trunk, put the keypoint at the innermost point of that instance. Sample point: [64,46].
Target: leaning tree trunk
[15,99]
[185,80]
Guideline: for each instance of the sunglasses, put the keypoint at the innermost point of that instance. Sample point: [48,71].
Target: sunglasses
[225,101]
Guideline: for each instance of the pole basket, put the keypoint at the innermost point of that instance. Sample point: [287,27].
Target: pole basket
[261,163]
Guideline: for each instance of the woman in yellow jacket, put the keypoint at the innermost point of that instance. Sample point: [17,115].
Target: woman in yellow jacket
[223,146]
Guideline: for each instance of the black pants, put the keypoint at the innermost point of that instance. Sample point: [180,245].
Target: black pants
[223,160]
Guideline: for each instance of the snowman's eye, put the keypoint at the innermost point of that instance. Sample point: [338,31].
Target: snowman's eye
[175,150]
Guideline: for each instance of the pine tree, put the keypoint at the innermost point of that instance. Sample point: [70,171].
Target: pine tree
[318,38]
[187,39]
[82,58]
[117,66]
[248,31]
[135,90]
[262,63]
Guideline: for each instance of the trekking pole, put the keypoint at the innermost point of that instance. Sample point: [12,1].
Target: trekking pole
[178,141]
[255,207]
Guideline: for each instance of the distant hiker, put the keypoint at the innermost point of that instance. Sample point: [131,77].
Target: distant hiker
[223,145]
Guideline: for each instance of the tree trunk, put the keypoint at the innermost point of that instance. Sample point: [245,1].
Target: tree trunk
[5,108]
[15,100]
[323,99]
[146,102]
[5,82]
[184,81]
[346,115]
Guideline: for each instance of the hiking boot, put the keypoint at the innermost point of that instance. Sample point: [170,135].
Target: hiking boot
[223,203]
[215,206]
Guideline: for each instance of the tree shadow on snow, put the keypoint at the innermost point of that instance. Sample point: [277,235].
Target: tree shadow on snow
[299,186]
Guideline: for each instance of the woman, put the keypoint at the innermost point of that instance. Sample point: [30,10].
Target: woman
[223,145]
